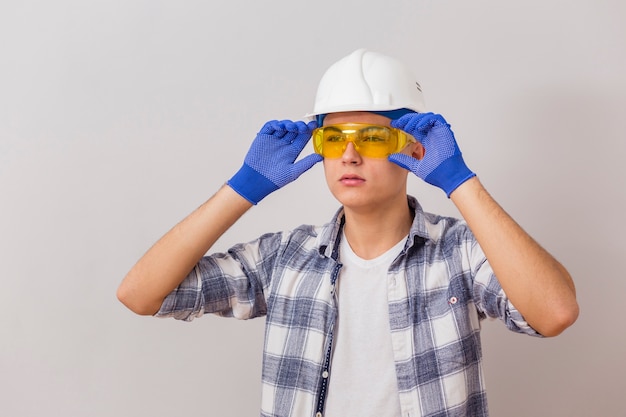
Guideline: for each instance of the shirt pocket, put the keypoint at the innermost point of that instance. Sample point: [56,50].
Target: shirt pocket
[455,330]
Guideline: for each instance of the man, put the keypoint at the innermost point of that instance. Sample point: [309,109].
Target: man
[378,312]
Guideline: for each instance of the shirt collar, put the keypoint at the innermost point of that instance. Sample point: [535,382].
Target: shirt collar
[331,236]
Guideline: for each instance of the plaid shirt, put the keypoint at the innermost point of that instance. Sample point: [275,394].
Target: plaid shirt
[440,288]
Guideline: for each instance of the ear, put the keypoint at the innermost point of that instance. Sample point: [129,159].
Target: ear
[418,151]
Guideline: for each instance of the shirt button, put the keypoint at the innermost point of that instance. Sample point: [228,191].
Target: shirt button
[325,374]
[318,414]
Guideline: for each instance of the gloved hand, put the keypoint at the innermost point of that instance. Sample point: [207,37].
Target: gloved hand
[270,162]
[442,164]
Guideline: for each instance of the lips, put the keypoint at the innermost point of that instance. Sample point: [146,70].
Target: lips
[351,180]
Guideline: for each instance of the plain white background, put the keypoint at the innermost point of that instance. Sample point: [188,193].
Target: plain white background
[119,117]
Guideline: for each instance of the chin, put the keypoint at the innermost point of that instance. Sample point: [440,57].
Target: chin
[356,199]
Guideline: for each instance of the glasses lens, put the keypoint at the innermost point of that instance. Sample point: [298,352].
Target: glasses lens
[376,141]
[369,140]
[334,141]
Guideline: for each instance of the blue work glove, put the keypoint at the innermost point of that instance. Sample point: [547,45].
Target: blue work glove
[442,164]
[271,161]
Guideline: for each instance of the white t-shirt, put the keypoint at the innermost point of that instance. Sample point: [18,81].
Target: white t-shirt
[362,375]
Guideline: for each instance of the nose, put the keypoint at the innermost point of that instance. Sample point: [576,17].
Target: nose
[350,154]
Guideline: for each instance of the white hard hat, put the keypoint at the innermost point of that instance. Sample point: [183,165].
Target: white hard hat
[367,81]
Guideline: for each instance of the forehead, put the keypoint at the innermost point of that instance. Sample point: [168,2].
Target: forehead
[356,117]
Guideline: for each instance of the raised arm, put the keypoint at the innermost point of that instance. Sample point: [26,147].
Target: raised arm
[540,287]
[269,165]
[169,261]
[536,283]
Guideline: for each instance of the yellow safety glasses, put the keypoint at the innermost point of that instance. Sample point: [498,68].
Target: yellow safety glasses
[372,141]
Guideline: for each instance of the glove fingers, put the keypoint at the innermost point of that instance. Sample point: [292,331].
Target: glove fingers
[283,126]
[414,123]
[292,131]
[415,120]
[306,128]
[269,127]
[298,134]
[278,128]
[403,121]
[405,161]
[422,125]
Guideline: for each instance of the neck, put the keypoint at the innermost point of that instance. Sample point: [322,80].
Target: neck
[372,232]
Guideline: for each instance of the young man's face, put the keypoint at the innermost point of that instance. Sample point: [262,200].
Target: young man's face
[360,182]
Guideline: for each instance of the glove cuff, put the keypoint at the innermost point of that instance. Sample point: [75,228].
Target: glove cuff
[251,185]
[450,174]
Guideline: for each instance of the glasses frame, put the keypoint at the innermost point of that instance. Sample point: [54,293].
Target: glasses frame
[350,133]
